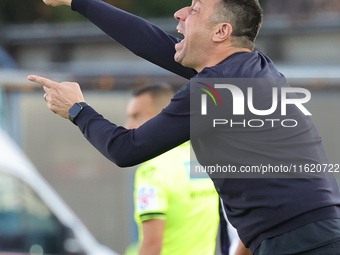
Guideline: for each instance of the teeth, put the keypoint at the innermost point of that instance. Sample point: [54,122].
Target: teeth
[181,33]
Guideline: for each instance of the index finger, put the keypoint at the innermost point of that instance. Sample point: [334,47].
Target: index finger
[41,80]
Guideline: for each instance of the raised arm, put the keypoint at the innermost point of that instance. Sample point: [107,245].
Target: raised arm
[122,146]
[136,34]
[126,147]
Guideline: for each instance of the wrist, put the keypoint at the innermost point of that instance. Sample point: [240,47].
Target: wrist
[75,110]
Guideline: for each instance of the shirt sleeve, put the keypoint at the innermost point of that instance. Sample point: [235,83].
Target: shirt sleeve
[136,34]
[126,147]
[150,193]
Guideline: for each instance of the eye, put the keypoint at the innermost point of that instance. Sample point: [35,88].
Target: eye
[194,8]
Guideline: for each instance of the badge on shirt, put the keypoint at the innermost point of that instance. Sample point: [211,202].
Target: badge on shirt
[146,199]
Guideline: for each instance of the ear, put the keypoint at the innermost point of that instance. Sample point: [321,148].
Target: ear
[222,32]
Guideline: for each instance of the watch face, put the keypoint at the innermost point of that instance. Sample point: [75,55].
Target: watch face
[73,112]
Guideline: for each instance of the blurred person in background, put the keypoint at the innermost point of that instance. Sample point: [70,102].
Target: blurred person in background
[168,202]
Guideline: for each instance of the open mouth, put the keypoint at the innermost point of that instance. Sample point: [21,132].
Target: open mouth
[180,33]
[180,45]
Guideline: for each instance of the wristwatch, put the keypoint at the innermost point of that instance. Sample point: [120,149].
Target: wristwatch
[75,110]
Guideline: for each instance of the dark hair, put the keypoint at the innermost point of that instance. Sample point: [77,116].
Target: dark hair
[154,90]
[245,16]
[161,94]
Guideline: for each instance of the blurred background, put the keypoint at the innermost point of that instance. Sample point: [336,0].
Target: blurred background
[301,36]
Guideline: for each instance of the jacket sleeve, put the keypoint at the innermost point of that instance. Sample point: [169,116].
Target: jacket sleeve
[136,34]
[127,147]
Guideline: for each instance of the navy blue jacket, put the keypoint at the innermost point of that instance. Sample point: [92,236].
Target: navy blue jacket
[258,208]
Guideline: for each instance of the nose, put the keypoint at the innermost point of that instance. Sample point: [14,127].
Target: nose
[181,13]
